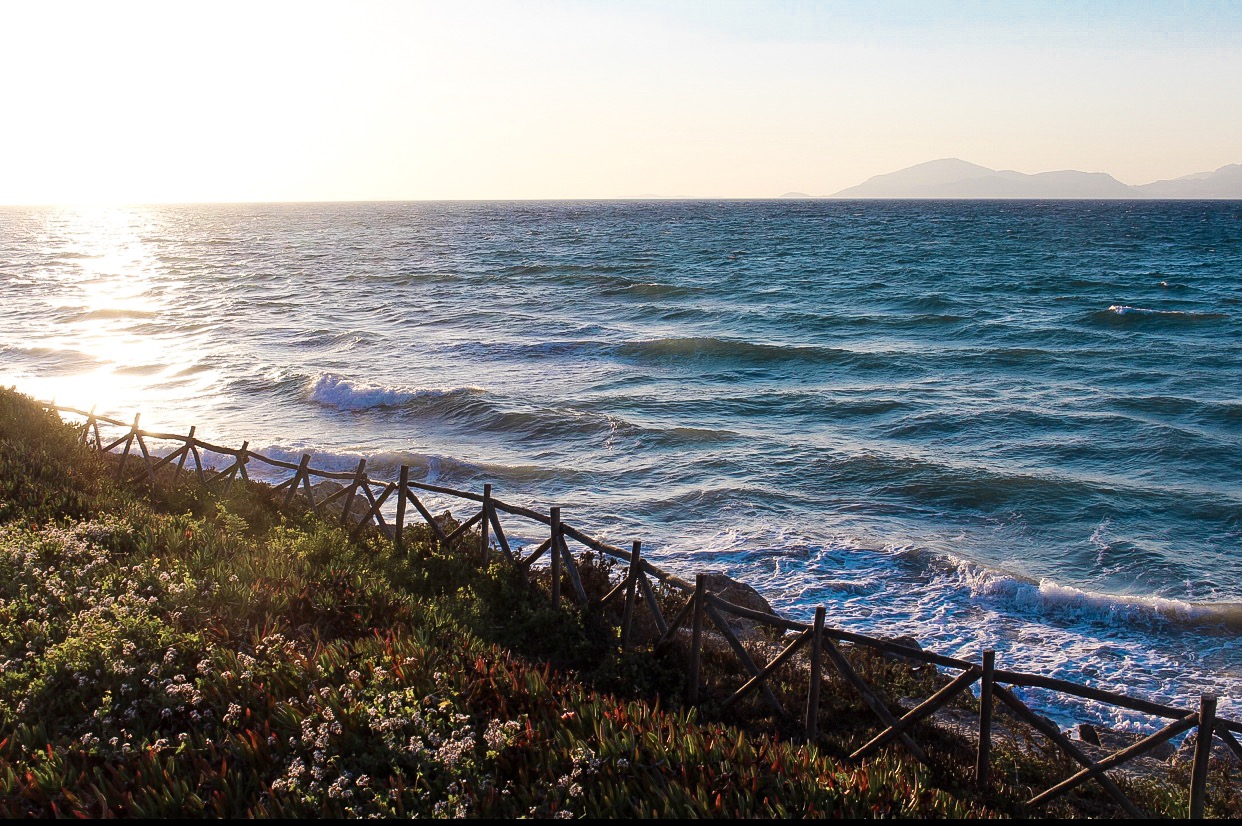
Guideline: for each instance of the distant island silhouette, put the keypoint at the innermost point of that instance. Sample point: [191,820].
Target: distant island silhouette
[955,178]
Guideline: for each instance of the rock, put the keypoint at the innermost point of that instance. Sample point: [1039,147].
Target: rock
[744,596]
[322,490]
[1099,742]
[1111,740]
[905,641]
[1220,751]
[964,724]
[445,521]
[1136,768]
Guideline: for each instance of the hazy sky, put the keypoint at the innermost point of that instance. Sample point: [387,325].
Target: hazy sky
[222,101]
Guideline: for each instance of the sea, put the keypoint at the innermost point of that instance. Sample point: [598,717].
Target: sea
[1008,425]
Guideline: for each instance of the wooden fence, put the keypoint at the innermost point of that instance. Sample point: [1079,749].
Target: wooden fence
[362,500]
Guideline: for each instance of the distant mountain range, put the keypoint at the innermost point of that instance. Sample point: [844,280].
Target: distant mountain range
[954,178]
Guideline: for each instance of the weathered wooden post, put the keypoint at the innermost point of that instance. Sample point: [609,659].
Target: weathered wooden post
[696,637]
[817,674]
[555,548]
[146,458]
[189,440]
[631,594]
[398,536]
[297,479]
[129,442]
[86,428]
[1203,755]
[360,476]
[984,756]
[485,527]
[243,456]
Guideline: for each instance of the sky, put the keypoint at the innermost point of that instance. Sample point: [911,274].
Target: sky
[149,102]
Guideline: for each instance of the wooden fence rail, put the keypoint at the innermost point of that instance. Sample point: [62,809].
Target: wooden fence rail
[362,500]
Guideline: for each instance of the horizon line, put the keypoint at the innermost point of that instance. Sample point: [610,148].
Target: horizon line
[640,198]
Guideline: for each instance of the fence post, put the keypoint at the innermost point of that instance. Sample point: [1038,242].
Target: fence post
[359,476]
[181,462]
[86,428]
[120,468]
[1203,754]
[631,594]
[485,527]
[696,638]
[817,673]
[243,456]
[555,548]
[398,536]
[297,479]
[984,756]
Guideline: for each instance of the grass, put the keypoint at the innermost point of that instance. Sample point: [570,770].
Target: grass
[179,652]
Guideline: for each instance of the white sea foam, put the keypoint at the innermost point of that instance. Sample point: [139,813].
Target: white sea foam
[953,606]
[1167,650]
[333,390]
[606,394]
[1053,599]
[1126,309]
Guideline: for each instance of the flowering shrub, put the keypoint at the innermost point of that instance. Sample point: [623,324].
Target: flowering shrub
[202,654]
[129,684]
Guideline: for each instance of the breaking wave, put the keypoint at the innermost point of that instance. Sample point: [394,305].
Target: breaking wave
[1121,313]
[1048,599]
[333,390]
[988,381]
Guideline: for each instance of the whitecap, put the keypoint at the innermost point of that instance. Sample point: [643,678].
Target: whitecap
[1126,309]
[333,390]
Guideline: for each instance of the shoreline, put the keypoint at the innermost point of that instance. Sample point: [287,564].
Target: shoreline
[242,456]
[1078,626]
[717,627]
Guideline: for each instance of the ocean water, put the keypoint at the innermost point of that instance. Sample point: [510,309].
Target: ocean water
[1009,425]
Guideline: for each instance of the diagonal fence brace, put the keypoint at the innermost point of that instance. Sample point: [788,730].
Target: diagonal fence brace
[924,709]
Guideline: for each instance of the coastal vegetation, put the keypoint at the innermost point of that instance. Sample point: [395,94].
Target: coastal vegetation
[181,651]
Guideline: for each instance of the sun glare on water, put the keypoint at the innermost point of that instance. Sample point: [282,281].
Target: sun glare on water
[106,304]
